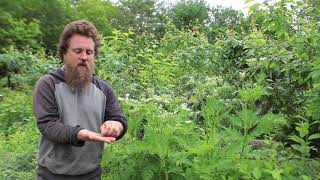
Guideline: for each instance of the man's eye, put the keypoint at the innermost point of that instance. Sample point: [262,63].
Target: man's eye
[77,51]
[89,52]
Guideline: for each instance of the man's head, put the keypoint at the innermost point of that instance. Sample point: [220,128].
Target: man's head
[78,45]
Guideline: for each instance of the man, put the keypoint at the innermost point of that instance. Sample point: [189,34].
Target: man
[76,113]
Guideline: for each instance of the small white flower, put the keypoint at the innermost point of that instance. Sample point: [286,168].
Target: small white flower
[127,96]
[184,106]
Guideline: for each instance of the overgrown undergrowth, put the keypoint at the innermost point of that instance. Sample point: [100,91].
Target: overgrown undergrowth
[242,106]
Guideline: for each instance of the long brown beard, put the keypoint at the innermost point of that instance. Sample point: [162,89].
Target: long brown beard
[78,80]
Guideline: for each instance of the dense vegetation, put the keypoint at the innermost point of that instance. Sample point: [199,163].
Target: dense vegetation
[208,92]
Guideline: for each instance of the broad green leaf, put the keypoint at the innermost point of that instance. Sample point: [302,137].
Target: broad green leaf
[314,136]
[297,139]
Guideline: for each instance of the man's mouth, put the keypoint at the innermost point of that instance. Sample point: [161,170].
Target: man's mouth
[82,65]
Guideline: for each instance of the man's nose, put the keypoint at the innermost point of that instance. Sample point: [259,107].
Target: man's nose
[83,56]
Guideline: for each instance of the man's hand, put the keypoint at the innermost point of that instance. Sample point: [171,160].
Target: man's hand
[86,135]
[111,128]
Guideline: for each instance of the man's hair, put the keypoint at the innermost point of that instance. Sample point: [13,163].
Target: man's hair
[81,27]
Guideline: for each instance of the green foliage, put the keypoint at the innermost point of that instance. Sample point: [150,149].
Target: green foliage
[174,147]
[187,14]
[25,68]
[142,16]
[53,15]
[224,19]
[15,110]
[158,66]
[236,99]
[20,33]
[31,23]
[19,136]
[252,94]
[18,152]
[98,12]
[303,139]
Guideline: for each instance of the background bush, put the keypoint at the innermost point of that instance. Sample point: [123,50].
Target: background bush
[207,96]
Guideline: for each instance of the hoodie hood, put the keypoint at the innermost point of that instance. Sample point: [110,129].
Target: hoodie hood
[59,74]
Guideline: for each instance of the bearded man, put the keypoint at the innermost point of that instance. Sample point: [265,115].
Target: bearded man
[76,113]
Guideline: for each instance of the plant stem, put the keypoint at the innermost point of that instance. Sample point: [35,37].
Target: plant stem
[244,143]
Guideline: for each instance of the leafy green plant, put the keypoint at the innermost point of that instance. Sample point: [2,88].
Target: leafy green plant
[304,139]
[241,105]
[15,111]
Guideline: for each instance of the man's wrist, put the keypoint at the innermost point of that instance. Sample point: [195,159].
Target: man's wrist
[75,140]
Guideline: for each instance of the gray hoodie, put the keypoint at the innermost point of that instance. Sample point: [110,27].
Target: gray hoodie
[62,113]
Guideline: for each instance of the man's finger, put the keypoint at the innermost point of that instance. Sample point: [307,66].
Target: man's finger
[118,131]
[111,128]
[106,128]
[105,139]
[99,137]
[112,132]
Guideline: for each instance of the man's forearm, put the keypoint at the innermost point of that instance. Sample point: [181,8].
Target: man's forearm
[60,133]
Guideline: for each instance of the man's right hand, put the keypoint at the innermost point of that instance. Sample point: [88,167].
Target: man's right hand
[86,135]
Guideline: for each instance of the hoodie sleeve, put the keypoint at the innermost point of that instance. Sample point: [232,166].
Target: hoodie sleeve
[47,116]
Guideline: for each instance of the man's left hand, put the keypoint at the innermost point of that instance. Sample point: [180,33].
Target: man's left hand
[111,128]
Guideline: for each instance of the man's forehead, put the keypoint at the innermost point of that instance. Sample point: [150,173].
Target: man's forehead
[81,38]
[79,41]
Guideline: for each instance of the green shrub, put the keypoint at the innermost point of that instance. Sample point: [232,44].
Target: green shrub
[15,111]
